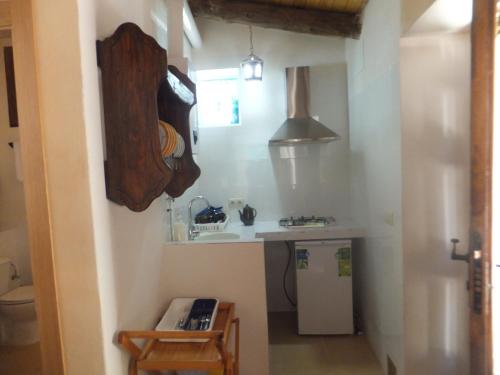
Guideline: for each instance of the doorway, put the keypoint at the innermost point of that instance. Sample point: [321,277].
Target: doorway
[17,17]
[19,341]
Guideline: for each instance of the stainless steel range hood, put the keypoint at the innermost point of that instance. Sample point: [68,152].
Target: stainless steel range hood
[300,127]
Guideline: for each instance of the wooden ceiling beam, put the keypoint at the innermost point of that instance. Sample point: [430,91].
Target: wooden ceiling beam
[309,21]
[348,6]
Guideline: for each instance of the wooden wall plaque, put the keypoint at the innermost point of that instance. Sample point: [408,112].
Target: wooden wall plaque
[139,89]
[133,67]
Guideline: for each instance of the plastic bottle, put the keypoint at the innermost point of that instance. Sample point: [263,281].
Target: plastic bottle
[179,228]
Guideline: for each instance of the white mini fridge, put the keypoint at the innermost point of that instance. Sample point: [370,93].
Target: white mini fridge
[324,287]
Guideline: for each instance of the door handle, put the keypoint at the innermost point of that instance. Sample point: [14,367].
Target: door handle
[454,252]
[474,257]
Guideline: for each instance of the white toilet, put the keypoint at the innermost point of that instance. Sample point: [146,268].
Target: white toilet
[18,324]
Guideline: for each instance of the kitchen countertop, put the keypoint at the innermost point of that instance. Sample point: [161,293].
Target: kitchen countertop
[272,231]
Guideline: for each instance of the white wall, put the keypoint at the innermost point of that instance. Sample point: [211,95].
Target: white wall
[128,245]
[237,162]
[231,272]
[435,90]
[375,131]
[411,10]
[13,234]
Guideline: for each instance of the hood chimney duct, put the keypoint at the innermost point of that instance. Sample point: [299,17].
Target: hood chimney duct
[300,127]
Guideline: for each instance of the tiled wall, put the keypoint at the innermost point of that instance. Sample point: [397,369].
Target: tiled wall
[374,106]
[237,162]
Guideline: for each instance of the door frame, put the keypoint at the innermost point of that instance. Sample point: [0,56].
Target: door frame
[482,107]
[36,189]
[63,187]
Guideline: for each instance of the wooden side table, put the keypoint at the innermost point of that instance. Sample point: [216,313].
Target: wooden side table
[158,355]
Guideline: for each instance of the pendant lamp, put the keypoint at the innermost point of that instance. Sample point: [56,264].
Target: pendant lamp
[252,66]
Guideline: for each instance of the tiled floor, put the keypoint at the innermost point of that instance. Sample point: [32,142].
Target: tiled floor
[291,354]
[20,360]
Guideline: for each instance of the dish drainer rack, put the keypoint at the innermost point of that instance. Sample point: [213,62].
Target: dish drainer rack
[212,227]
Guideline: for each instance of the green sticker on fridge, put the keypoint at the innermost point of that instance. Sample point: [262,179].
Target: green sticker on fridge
[344,260]
[302,259]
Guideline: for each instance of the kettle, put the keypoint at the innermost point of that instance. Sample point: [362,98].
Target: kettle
[248,215]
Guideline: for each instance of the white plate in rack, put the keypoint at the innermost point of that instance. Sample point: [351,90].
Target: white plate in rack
[180,146]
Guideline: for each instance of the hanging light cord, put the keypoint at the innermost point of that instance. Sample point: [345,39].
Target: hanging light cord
[251,39]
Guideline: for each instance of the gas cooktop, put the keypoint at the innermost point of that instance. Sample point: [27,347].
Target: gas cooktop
[307,222]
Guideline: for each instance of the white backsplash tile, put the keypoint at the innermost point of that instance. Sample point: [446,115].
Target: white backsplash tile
[237,162]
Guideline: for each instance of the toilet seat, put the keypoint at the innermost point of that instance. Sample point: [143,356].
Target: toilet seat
[18,296]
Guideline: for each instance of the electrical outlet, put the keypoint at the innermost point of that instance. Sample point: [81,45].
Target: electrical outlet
[236,203]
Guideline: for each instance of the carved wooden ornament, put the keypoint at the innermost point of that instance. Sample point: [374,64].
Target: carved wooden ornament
[133,67]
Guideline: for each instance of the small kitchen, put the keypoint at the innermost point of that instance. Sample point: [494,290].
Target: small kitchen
[321,253]
[258,183]
[254,175]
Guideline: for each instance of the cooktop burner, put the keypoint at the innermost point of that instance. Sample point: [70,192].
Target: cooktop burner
[307,222]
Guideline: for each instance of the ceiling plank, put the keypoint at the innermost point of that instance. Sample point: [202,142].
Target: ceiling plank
[5,19]
[309,21]
[350,6]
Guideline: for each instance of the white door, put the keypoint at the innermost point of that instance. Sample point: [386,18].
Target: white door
[435,124]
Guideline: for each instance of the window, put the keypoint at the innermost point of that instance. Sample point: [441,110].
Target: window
[218,97]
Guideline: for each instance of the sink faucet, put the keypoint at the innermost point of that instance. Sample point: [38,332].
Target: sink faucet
[192,233]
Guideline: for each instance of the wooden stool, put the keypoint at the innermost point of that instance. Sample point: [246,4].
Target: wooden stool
[157,355]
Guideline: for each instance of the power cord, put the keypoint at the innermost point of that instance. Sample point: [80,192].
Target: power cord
[290,252]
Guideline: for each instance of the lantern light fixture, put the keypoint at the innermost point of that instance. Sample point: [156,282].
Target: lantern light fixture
[252,66]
